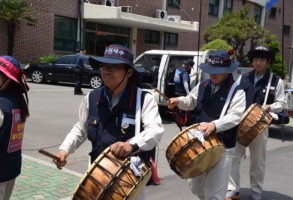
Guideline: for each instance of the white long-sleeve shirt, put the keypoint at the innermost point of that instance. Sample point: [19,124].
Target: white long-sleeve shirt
[146,139]
[280,102]
[233,115]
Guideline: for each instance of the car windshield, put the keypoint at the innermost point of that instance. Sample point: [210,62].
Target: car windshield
[69,60]
[66,60]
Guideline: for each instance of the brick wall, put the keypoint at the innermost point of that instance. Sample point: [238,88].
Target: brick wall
[275,27]
[32,42]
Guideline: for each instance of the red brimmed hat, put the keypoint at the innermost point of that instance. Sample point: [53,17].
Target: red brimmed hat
[11,68]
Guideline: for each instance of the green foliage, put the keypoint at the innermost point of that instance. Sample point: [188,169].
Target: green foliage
[47,58]
[17,11]
[237,29]
[14,12]
[277,67]
[217,44]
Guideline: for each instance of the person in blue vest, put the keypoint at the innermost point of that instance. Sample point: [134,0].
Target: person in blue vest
[208,100]
[181,78]
[13,114]
[255,84]
[119,115]
[81,65]
[182,86]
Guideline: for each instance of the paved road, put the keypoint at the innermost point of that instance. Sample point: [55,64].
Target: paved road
[53,112]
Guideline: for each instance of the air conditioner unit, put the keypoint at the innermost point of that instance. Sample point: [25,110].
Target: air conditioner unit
[109,2]
[127,9]
[161,14]
[174,18]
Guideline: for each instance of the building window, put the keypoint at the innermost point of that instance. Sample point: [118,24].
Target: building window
[171,39]
[286,30]
[257,14]
[152,37]
[272,13]
[98,36]
[65,34]
[214,7]
[174,3]
[228,6]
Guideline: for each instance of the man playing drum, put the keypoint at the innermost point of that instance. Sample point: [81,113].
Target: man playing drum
[119,115]
[255,83]
[208,99]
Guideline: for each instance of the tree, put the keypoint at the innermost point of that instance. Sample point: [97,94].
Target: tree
[14,12]
[217,44]
[237,29]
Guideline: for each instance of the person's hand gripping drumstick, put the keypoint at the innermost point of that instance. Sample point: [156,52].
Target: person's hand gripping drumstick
[173,102]
[121,149]
[61,162]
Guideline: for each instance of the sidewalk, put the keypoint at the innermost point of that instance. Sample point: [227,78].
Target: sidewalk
[42,180]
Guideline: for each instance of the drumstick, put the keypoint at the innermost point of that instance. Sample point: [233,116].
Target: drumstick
[149,86]
[164,96]
[42,151]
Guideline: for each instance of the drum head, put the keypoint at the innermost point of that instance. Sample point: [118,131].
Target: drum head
[110,177]
[254,121]
[203,162]
[188,157]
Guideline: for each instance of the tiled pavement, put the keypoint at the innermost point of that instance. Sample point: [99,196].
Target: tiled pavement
[42,180]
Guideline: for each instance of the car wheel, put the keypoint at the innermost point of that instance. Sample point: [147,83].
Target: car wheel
[96,82]
[37,76]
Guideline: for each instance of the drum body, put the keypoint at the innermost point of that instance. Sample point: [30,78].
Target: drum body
[253,123]
[110,178]
[188,157]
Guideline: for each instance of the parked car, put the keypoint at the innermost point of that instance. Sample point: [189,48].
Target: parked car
[62,70]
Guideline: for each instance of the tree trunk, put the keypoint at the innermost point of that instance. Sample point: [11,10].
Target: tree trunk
[11,25]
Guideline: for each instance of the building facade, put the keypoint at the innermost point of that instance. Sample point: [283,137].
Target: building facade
[64,26]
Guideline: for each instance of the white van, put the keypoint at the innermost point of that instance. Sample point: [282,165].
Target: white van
[160,66]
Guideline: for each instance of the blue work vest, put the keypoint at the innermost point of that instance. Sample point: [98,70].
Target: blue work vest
[209,107]
[10,149]
[255,93]
[179,82]
[104,125]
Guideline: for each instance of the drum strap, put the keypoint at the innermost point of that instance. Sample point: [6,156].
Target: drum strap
[274,115]
[235,84]
[268,89]
[138,111]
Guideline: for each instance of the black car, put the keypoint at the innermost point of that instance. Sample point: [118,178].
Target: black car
[62,70]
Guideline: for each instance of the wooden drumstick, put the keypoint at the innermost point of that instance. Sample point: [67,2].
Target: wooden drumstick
[42,151]
[164,96]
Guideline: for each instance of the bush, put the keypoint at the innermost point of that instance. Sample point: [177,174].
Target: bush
[216,44]
[47,58]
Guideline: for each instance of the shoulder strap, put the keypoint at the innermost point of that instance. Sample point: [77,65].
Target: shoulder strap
[268,89]
[235,84]
[138,111]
